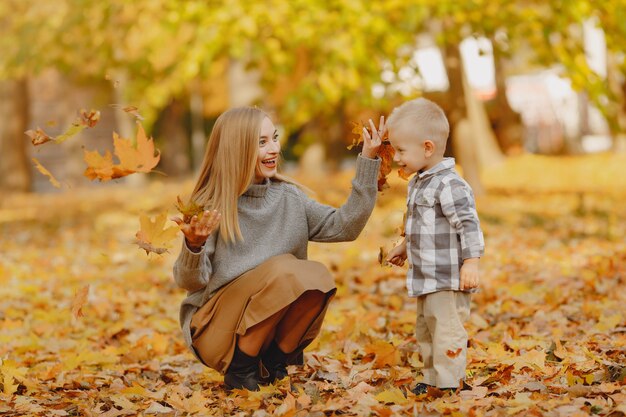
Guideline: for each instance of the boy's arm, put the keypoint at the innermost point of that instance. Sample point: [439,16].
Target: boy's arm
[457,204]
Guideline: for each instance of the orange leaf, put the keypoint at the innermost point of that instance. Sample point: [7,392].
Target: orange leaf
[38,136]
[79,301]
[47,173]
[133,158]
[454,354]
[89,119]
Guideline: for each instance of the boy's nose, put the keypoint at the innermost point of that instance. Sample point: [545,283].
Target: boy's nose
[396,158]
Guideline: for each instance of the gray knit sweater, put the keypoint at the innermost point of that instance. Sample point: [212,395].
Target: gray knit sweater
[275,218]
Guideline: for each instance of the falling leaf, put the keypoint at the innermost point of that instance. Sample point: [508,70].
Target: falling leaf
[89,119]
[133,158]
[47,173]
[84,119]
[79,300]
[153,236]
[38,136]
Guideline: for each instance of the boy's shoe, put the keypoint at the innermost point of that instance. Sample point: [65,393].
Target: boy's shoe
[243,372]
[421,388]
[275,361]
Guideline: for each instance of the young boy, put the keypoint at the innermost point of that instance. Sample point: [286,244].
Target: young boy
[443,241]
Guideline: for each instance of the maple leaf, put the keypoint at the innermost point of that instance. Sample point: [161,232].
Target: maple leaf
[55,183]
[133,158]
[188,210]
[79,300]
[153,237]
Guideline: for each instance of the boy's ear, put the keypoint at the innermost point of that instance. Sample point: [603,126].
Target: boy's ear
[429,147]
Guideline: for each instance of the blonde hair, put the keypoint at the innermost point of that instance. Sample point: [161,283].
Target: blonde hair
[229,166]
[424,117]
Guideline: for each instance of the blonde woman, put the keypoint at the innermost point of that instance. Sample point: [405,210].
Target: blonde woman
[253,297]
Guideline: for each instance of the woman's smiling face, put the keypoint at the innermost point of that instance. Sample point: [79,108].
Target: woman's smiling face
[269,151]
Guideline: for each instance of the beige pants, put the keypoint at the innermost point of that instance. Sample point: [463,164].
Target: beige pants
[441,337]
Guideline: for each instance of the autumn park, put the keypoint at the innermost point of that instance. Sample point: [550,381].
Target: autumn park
[106,109]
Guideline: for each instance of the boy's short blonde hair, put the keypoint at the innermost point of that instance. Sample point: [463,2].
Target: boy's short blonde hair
[424,117]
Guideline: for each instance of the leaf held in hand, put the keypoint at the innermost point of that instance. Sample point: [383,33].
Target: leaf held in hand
[385,152]
[153,236]
[188,210]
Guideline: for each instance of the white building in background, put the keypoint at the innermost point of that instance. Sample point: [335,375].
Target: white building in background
[549,107]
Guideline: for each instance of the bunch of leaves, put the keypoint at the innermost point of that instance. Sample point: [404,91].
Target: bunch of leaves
[385,152]
[188,210]
[85,119]
[154,236]
[140,157]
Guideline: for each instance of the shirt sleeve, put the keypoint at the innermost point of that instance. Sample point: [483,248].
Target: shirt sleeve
[457,204]
[330,224]
[192,270]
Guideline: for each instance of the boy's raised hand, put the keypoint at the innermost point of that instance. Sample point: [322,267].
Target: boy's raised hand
[198,230]
[372,141]
[469,274]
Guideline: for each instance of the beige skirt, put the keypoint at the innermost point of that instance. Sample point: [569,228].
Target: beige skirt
[250,299]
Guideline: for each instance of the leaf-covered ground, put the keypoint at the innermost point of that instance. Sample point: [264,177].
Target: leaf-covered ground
[548,329]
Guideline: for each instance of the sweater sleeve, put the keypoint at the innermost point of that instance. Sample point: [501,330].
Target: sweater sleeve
[192,271]
[329,224]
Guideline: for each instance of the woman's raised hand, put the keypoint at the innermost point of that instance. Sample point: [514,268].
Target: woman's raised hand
[374,139]
[198,230]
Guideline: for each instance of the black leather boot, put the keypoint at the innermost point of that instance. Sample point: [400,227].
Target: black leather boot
[275,361]
[243,372]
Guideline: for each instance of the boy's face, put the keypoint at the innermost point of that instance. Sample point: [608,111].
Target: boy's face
[412,152]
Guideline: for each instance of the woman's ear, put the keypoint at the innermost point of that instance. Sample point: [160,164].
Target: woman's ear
[429,148]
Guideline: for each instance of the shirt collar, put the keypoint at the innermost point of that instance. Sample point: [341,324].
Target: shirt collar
[445,164]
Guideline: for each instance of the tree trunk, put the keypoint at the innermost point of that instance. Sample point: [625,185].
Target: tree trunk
[462,136]
[508,123]
[175,149]
[198,136]
[15,171]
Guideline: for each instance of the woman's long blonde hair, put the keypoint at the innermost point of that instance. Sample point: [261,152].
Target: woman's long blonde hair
[229,164]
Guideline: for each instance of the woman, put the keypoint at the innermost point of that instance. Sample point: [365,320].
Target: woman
[252,295]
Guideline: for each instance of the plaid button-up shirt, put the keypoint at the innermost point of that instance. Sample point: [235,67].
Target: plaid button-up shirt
[442,229]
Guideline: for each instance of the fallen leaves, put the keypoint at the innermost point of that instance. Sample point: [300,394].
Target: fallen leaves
[547,333]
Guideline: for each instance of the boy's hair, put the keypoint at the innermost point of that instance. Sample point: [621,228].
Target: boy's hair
[425,117]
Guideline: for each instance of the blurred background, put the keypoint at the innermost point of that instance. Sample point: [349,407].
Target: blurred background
[514,77]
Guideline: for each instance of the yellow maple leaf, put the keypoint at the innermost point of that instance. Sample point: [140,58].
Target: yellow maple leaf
[386,353]
[153,236]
